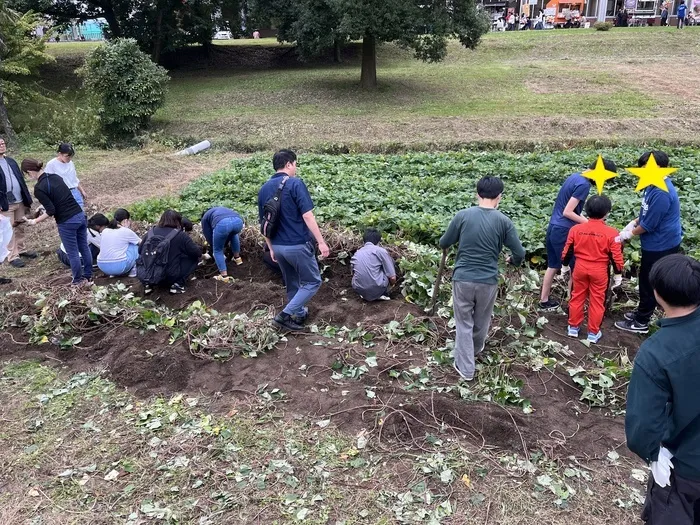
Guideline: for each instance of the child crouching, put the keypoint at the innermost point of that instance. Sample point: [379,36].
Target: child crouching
[594,247]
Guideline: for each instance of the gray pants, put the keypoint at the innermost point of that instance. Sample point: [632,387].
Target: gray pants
[473,307]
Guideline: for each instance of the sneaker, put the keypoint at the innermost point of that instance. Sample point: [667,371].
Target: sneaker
[147,290]
[177,288]
[632,326]
[630,316]
[132,273]
[223,278]
[594,338]
[238,261]
[572,331]
[17,263]
[5,280]
[385,298]
[466,378]
[549,305]
[285,321]
[301,319]
[29,255]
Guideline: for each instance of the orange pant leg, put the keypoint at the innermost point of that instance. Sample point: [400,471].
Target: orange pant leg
[579,293]
[598,287]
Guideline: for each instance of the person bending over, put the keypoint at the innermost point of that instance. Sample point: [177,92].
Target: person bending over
[372,268]
[221,227]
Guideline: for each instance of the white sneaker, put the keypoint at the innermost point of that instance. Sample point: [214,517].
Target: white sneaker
[454,365]
[132,273]
[385,298]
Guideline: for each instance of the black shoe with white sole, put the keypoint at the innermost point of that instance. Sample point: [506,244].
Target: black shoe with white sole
[286,322]
[177,288]
[548,305]
[632,327]
[630,316]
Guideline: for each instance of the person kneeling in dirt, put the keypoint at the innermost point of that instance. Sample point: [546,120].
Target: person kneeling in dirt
[221,227]
[167,255]
[594,245]
[372,269]
[119,247]
[291,239]
[481,232]
[96,225]
[662,423]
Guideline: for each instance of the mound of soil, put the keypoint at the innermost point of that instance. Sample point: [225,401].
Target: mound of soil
[302,368]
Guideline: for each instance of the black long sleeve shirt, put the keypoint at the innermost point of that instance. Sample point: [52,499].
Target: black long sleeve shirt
[57,199]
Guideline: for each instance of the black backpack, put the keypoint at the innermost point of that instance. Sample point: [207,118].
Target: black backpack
[271,211]
[152,263]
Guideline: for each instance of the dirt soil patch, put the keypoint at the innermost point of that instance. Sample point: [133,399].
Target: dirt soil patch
[302,367]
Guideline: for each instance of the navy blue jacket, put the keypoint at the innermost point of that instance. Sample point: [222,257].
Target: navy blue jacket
[26,196]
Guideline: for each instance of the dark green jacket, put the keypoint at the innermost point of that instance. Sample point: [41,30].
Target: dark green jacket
[481,234]
[663,400]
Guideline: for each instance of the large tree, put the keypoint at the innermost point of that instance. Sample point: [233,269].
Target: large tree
[424,26]
[21,54]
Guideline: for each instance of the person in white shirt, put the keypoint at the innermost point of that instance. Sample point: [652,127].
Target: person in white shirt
[63,166]
[96,225]
[119,247]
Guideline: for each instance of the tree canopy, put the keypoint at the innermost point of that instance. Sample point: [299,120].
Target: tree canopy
[420,25]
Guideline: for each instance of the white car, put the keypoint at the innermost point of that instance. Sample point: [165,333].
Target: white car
[223,35]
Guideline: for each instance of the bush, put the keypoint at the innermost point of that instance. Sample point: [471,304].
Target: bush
[603,26]
[128,88]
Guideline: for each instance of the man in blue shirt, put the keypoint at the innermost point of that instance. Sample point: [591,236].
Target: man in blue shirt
[566,214]
[293,244]
[659,229]
[682,11]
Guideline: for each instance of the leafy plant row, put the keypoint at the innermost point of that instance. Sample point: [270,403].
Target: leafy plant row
[415,195]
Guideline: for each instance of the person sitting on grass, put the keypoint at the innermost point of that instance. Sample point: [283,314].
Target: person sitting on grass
[222,226]
[565,215]
[480,232]
[594,245]
[96,225]
[58,202]
[180,258]
[662,421]
[372,269]
[119,247]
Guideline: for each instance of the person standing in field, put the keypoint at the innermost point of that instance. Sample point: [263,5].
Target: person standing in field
[565,215]
[662,421]
[664,14]
[595,246]
[15,202]
[63,166]
[293,242]
[480,233]
[659,228]
[682,12]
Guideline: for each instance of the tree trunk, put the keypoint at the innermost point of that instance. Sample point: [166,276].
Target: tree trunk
[158,43]
[112,21]
[7,129]
[338,48]
[368,79]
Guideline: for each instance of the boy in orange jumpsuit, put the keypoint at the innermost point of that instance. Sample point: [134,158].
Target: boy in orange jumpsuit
[594,246]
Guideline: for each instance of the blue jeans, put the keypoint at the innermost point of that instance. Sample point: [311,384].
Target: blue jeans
[301,275]
[78,197]
[226,231]
[122,267]
[73,234]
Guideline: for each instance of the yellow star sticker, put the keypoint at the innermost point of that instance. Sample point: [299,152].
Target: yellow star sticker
[652,175]
[599,174]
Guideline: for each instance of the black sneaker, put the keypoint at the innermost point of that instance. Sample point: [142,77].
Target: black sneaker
[301,319]
[147,290]
[632,326]
[4,280]
[286,322]
[17,263]
[29,255]
[630,316]
[177,288]
[549,305]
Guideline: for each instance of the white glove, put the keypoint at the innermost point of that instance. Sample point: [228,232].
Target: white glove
[31,222]
[631,226]
[661,468]
[617,281]
[565,271]
[625,235]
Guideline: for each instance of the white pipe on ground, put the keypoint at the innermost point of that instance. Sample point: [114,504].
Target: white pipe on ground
[192,150]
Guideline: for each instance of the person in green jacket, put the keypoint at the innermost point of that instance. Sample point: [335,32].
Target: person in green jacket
[480,232]
[662,422]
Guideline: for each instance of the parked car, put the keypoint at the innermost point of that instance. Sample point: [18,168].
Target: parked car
[223,35]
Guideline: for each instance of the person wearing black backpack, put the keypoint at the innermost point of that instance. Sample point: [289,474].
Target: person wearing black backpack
[291,232]
[167,255]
